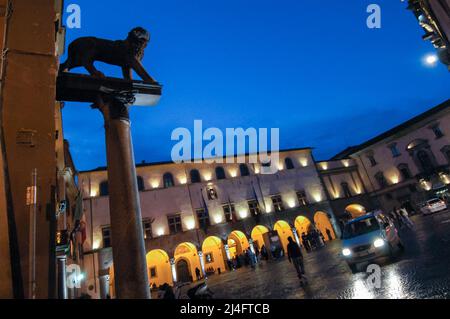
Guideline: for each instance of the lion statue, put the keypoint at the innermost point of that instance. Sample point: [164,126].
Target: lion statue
[126,53]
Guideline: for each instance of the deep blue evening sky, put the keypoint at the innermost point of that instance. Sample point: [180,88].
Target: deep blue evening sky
[311,68]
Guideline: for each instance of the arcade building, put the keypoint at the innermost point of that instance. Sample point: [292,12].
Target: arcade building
[200,215]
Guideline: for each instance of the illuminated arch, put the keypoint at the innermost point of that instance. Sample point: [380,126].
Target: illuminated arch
[237,243]
[257,235]
[158,267]
[355,210]
[323,224]
[186,253]
[302,225]
[284,231]
[214,254]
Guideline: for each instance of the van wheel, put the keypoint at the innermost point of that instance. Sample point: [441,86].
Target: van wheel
[353,268]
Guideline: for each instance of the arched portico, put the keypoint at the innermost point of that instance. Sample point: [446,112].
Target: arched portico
[159,268]
[323,224]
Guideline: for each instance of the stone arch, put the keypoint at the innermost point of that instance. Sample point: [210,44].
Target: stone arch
[323,224]
[284,231]
[159,268]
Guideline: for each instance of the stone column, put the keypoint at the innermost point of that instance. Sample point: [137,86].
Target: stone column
[294,231]
[250,243]
[173,268]
[62,277]
[227,252]
[130,265]
[202,263]
[104,285]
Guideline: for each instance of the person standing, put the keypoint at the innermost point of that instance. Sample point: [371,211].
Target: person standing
[305,242]
[405,218]
[295,257]
[197,273]
[330,237]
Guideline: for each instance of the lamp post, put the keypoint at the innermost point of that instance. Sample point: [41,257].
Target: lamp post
[113,97]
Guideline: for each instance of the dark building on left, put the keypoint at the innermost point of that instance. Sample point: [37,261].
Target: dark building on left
[38,178]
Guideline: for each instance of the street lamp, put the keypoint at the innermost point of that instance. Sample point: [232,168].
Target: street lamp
[431,60]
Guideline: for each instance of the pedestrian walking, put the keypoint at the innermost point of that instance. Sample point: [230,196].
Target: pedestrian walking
[306,242]
[330,237]
[295,257]
[197,273]
[405,217]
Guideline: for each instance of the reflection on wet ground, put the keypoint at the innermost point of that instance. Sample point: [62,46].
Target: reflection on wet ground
[421,271]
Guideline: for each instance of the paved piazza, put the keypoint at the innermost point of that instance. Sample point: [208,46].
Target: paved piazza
[421,271]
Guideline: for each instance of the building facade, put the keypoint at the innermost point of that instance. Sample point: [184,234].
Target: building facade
[37,176]
[407,164]
[199,216]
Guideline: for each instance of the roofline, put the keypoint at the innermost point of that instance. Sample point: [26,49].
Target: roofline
[355,149]
[104,168]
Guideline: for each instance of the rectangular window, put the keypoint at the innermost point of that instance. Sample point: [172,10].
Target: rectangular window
[253,207]
[147,228]
[394,150]
[174,224]
[372,160]
[302,200]
[153,272]
[346,190]
[228,211]
[277,203]
[202,218]
[437,131]
[106,235]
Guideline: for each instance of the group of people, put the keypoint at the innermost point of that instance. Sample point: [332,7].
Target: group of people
[315,239]
[401,219]
[246,258]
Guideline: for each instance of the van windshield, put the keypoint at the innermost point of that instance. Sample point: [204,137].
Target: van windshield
[360,227]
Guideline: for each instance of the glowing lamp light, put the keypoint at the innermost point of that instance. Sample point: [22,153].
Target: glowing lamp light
[160,232]
[182,180]
[291,203]
[280,167]
[233,173]
[96,245]
[154,183]
[431,59]
[346,163]
[207,176]
[190,223]
[317,197]
[303,161]
[218,219]
[394,179]
[243,213]
[346,252]
[268,209]
[444,178]
[324,165]
[94,193]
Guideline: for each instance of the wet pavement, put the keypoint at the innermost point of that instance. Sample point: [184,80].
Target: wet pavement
[421,271]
